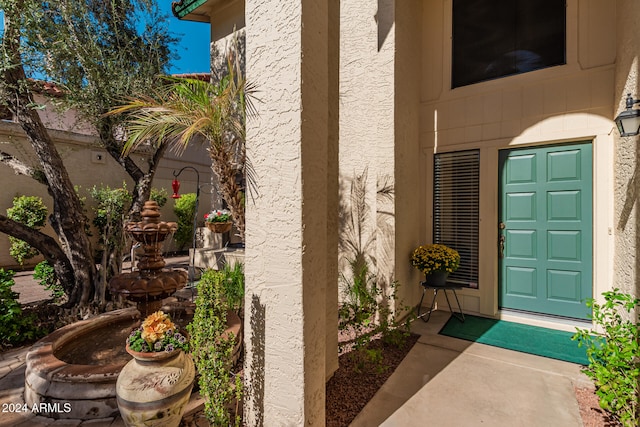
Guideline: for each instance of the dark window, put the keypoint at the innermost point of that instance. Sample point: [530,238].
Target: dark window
[497,38]
[456,206]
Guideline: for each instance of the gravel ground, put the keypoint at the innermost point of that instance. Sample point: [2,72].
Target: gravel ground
[360,375]
[592,414]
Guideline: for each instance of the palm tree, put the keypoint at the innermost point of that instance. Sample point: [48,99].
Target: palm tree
[184,108]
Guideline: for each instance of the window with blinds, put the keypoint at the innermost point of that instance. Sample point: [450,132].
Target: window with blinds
[456,196]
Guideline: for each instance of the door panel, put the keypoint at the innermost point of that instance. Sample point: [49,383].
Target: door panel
[546,210]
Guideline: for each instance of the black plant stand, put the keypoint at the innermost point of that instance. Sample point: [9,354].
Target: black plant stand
[459,315]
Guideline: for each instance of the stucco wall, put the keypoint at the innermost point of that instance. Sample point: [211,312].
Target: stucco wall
[627,152]
[286,237]
[366,129]
[572,102]
[408,159]
[224,21]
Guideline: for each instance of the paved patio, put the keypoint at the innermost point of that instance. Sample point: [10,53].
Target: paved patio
[445,381]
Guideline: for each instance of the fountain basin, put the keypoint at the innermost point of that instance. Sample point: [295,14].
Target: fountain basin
[74,369]
[79,384]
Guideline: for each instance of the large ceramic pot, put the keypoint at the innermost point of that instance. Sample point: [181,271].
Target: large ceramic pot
[154,388]
[219,227]
[437,279]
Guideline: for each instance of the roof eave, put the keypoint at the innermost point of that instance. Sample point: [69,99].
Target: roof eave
[187,10]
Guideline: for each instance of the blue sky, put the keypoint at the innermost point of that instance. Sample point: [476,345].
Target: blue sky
[193,46]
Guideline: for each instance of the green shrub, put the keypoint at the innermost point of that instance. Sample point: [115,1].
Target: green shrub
[46,276]
[185,210]
[365,311]
[233,286]
[159,195]
[212,352]
[109,213]
[15,328]
[30,211]
[614,355]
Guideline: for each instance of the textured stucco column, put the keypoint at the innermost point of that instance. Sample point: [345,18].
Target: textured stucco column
[286,233]
[367,45]
[379,135]
[627,153]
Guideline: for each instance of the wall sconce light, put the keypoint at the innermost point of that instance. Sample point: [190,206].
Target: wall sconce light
[628,121]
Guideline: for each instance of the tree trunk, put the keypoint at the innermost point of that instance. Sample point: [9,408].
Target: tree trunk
[47,246]
[67,217]
[222,164]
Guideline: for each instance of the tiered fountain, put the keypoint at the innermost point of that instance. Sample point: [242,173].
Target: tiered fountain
[151,282]
[76,367]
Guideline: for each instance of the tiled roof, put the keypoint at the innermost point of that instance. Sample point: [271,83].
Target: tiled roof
[205,77]
[49,88]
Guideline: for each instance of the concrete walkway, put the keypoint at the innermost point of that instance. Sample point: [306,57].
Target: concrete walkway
[445,382]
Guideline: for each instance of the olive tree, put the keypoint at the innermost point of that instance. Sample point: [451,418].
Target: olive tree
[97,52]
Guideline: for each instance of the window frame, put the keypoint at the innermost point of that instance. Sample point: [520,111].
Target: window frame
[520,58]
[448,202]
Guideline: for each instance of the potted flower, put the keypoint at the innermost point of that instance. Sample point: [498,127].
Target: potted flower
[436,262]
[155,386]
[156,334]
[218,220]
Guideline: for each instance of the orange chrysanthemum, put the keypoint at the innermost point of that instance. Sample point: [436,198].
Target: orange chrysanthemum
[155,326]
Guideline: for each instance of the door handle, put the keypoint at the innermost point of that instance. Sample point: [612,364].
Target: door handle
[501,239]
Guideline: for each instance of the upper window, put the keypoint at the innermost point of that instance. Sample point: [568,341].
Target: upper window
[497,38]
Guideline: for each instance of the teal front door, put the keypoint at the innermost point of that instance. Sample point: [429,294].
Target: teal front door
[545,230]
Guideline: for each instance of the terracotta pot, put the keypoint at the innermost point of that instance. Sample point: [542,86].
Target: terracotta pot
[437,279]
[219,227]
[154,388]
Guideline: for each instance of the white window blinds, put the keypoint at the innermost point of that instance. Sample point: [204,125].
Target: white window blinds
[456,195]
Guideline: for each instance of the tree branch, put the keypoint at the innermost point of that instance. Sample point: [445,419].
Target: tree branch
[21,168]
[47,245]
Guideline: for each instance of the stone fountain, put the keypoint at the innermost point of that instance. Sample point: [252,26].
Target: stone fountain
[74,369]
[151,282]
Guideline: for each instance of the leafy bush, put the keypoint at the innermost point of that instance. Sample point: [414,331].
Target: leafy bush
[212,352]
[614,355]
[365,310]
[185,210]
[30,211]
[233,286]
[46,276]
[15,328]
[159,195]
[110,210]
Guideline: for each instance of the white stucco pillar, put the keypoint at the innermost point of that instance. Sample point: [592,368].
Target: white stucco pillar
[627,153]
[287,208]
[380,60]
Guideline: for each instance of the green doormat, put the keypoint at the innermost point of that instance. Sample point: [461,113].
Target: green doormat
[515,336]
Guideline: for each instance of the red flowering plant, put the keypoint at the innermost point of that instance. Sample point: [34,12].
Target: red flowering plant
[218,215]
